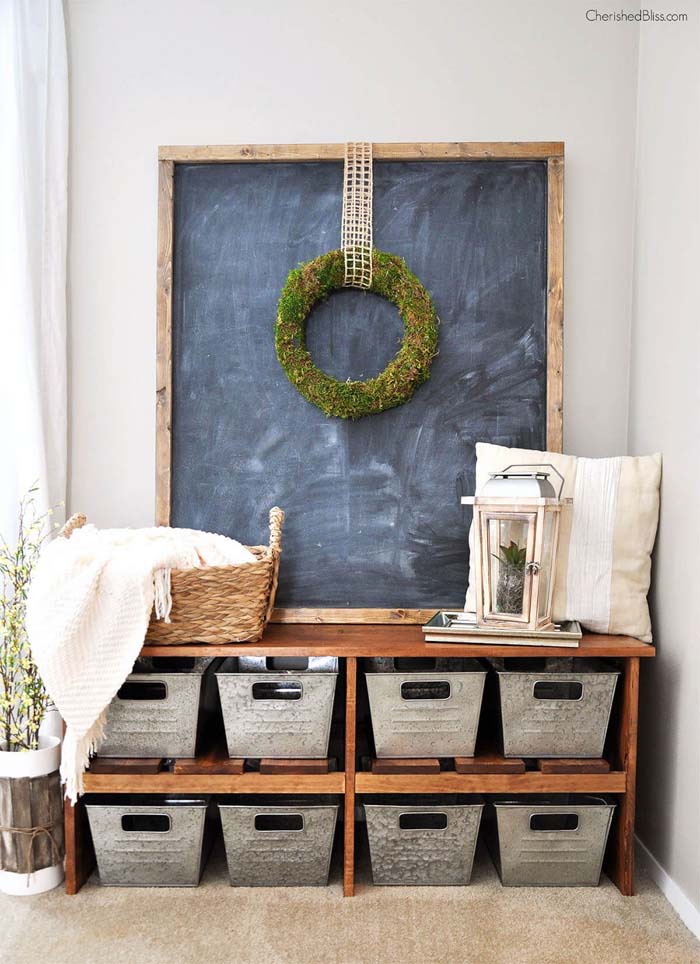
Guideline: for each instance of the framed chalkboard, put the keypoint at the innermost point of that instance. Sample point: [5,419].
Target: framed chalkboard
[375,531]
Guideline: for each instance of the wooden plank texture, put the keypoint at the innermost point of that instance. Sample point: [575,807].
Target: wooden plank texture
[620,854]
[436,151]
[214,783]
[345,616]
[392,640]
[21,817]
[350,777]
[488,762]
[555,304]
[214,760]
[573,766]
[80,854]
[41,789]
[529,782]
[111,764]
[56,813]
[406,766]
[164,298]
[293,766]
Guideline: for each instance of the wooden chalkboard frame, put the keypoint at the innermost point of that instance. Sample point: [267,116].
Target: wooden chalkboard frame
[168,157]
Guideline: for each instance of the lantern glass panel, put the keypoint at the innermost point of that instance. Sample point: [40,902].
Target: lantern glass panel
[546,573]
[507,547]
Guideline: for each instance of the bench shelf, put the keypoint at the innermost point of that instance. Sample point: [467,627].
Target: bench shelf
[351,642]
[532,782]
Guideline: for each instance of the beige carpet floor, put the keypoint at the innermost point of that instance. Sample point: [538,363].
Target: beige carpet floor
[483,923]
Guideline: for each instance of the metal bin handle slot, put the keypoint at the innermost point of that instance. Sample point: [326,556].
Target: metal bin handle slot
[151,690]
[146,823]
[425,689]
[277,690]
[279,822]
[553,821]
[422,821]
[556,689]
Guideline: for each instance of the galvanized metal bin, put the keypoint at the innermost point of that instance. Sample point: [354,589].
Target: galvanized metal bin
[278,707]
[554,841]
[555,707]
[422,840]
[285,842]
[148,841]
[424,708]
[157,710]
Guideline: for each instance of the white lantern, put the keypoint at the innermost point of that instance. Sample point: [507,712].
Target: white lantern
[516,532]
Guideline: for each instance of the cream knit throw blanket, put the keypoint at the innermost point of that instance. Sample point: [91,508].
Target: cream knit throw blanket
[89,606]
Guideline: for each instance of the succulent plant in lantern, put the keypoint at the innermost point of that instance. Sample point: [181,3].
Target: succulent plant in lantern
[516,529]
[511,578]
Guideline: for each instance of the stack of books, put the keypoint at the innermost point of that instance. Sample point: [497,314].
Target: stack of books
[461,627]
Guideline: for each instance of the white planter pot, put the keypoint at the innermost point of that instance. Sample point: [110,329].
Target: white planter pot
[52,724]
[28,885]
[31,763]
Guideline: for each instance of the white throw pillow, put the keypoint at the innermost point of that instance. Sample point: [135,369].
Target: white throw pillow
[606,537]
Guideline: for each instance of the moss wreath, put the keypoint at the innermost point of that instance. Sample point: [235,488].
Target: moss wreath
[316,280]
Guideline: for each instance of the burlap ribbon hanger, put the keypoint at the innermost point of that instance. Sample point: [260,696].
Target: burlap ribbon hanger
[356,231]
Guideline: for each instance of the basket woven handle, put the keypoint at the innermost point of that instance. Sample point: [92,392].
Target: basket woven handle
[276,521]
[76,521]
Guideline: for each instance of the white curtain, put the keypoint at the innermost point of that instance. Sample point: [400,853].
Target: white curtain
[33,221]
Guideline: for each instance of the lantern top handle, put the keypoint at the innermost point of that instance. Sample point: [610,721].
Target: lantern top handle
[534,465]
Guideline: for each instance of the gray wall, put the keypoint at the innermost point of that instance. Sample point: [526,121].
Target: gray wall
[663,416]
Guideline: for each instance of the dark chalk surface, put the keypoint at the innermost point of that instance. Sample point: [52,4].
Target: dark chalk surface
[373,513]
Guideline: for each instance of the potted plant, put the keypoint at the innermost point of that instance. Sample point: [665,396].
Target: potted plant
[511,578]
[31,810]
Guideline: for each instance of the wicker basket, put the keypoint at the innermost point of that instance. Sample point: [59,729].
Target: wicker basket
[218,604]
